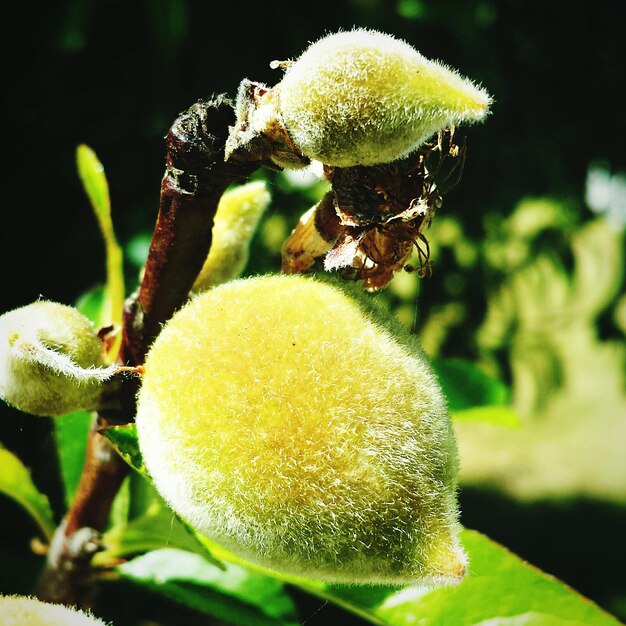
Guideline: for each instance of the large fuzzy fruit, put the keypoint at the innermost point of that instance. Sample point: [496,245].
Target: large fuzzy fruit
[363,97]
[24,611]
[280,420]
[50,359]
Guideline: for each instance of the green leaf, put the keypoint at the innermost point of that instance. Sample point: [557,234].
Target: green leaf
[157,528]
[500,589]
[466,386]
[143,495]
[120,507]
[467,389]
[124,440]
[72,433]
[94,181]
[234,595]
[136,250]
[92,176]
[91,304]
[17,484]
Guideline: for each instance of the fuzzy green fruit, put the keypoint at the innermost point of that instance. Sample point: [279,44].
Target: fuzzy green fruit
[281,421]
[236,219]
[24,611]
[50,358]
[363,97]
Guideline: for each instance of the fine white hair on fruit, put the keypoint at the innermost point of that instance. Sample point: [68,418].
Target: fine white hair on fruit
[284,421]
[28,611]
[363,97]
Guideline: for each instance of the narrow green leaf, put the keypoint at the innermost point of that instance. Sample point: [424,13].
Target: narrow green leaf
[17,484]
[71,434]
[94,181]
[234,595]
[120,508]
[91,172]
[143,495]
[124,440]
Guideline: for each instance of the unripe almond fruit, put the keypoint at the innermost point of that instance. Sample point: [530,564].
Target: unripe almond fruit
[282,420]
[50,359]
[363,97]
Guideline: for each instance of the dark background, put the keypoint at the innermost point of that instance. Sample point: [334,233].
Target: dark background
[114,74]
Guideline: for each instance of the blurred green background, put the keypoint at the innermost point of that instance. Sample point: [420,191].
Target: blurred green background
[528,250]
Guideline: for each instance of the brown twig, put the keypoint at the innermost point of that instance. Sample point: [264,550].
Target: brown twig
[196,175]
[66,577]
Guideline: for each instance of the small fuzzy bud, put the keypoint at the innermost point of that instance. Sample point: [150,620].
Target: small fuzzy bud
[363,97]
[49,360]
[284,422]
[25,611]
[237,217]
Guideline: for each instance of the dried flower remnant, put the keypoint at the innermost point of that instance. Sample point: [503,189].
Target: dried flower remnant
[259,134]
[368,225]
[315,234]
